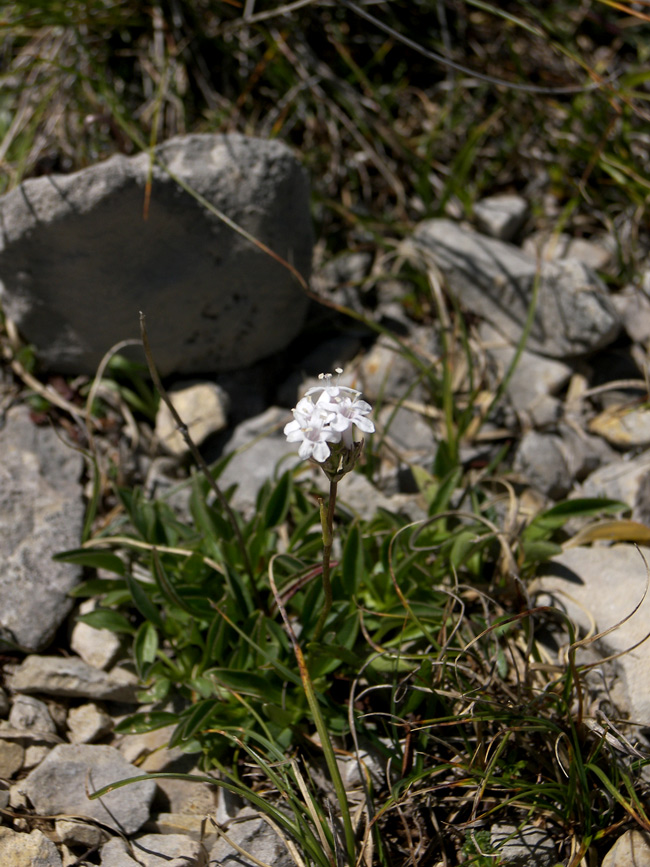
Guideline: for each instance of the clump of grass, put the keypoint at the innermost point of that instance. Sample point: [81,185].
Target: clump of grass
[427,669]
[442,681]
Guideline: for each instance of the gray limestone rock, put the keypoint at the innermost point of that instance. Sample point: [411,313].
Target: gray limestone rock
[12,757]
[154,850]
[553,246]
[27,850]
[260,449]
[623,427]
[633,305]
[61,783]
[203,408]
[34,755]
[168,850]
[151,748]
[72,677]
[411,434]
[115,853]
[41,512]
[574,313]
[584,452]
[29,713]
[360,497]
[385,371]
[632,849]
[501,216]
[349,267]
[607,583]
[192,825]
[534,378]
[555,462]
[542,461]
[257,839]
[79,261]
[625,480]
[97,647]
[78,833]
[523,847]
[88,723]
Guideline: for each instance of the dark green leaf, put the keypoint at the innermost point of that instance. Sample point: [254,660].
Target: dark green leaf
[145,646]
[103,618]
[249,683]
[283,716]
[166,587]
[353,566]
[536,551]
[439,499]
[118,597]
[445,463]
[158,691]
[145,722]
[335,653]
[142,601]
[93,558]
[195,720]
[121,364]
[277,505]
[97,587]
[462,546]
[207,519]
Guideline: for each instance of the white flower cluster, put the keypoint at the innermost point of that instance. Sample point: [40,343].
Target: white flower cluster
[327,420]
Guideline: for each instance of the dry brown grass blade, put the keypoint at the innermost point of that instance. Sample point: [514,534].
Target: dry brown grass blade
[617,530]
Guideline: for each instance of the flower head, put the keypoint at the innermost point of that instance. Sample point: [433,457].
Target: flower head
[330,420]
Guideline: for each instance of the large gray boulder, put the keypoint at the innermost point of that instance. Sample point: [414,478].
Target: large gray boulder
[41,512]
[574,313]
[79,261]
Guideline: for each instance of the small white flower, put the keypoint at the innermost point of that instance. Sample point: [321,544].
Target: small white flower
[309,428]
[352,411]
[329,420]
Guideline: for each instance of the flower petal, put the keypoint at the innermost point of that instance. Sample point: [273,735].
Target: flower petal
[340,422]
[305,405]
[291,426]
[364,424]
[321,452]
[295,436]
[306,449]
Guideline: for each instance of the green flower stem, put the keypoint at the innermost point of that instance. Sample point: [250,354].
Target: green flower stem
[327,523]
[328,752]
[319,721]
